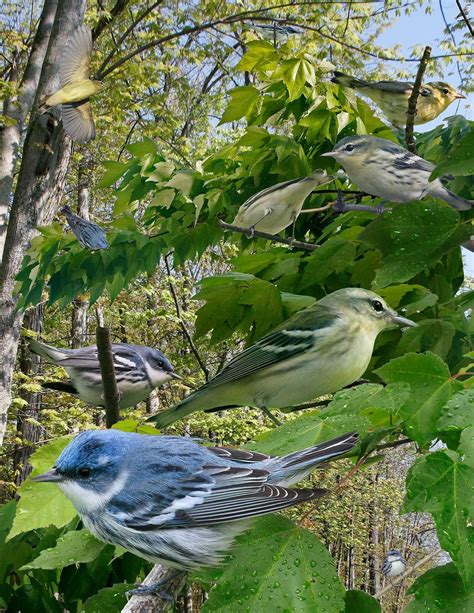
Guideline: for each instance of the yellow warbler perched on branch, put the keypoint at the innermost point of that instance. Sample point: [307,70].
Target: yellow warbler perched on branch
[392,97]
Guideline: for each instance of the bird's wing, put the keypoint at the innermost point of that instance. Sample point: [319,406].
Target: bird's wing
[290,339]
[238,455]
[87,233]
[409,161]
[85,358]
[78,121]
[394,87]
[235,494]
[267,191]
[76,59]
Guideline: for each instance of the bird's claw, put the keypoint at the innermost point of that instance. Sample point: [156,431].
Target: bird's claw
[154,588]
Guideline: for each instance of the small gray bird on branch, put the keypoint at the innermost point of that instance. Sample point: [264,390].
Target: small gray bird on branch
[386,170]
[393,564]
[76,87]
[87,232]
[138,371]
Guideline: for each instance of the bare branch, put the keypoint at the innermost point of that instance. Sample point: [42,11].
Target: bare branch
[104,21]
[106,361]
[153,602]
[268,237]
[189,338]
[465,17]
[412,100]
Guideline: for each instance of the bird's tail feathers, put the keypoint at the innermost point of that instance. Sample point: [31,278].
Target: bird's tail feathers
[347,81]
[60,386]
[46,351]
[457,202]
[295,466]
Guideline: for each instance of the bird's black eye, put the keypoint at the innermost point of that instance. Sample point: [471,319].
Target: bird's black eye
[84,472]
[377,306]
[349,148]
[445,90]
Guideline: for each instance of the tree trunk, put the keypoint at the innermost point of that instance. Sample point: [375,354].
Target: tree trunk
[17,108]
[27,430]
[39,189]
[80,305]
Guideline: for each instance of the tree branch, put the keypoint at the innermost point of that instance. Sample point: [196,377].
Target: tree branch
[268,237]
[107,371]
[412,100]
[153,602]
[407,573]
[104,21]
[189,338]
[465,17]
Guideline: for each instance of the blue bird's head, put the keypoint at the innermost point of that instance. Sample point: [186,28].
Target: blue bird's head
[393,552]
[90,471]
[158,367]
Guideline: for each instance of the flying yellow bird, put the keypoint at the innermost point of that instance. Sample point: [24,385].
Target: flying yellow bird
[392,97]
[76,87]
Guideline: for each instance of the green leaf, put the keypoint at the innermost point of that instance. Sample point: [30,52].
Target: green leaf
[305,431]
[278,567]
[73,548]
[296,73]
[260,55]
[132,425]
[361,602]
[412,237]
[242,102]
[141,148]
[460,160]
[431,387]
[108,600]
[42,504]
[433,335]
[442,485]
[113,172]
[358,400]
[334,256]
[455,416]
[440,589]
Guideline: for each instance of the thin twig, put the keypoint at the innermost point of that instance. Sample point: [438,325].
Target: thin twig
[407,573]
[412,100]
[465,17]
[268,237]
[106,361]
[188,336]
[403,441]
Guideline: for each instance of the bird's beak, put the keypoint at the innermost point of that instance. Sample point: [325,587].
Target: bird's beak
[329,154]
[403,321]
[459,96]
[52,475]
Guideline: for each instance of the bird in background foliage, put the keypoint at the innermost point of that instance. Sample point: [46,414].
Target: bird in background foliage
[275,30]
[277,207]
[318,351]
[89,234]
[392,97]
[386,170]
[138,371]
[394,564]
[76,87]
[172,501]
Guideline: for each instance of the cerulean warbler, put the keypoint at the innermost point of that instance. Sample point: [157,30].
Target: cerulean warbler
[87,233]
[318,351]
[393,564]
[138,371]
[169,500]
[275,208]
[386,170]
[76,87]
[392,97]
